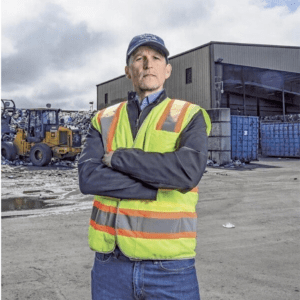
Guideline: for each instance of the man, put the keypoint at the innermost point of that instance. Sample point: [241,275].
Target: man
[143,159]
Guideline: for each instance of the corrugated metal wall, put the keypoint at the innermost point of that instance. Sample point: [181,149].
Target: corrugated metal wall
[260,56]
[116,89]
[198,91]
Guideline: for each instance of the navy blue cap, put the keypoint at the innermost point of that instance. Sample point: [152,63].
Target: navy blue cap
[146,39]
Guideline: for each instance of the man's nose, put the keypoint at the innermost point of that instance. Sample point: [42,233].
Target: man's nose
[147,63]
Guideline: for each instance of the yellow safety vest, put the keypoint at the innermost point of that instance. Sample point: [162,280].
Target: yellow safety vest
[160,229]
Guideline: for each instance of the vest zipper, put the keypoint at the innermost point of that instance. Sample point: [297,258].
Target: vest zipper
[137,122]
[137,126]
[139,115]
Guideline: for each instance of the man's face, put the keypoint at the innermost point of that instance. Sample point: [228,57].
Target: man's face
[147,70]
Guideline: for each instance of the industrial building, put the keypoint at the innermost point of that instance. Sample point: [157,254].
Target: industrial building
[248,79]
[253,80]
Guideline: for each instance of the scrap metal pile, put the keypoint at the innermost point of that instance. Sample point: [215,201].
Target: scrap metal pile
[280,118]
[15,121]
[78,119]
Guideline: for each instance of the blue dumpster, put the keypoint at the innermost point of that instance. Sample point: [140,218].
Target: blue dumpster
[244,138]
[280,139]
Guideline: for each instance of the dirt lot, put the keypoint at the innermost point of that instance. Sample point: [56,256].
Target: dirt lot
[45,254]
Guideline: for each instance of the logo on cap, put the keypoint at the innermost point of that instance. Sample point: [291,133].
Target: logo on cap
[146,39]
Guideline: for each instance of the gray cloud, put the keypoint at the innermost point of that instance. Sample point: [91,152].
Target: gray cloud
[50,42]
[57,92]
[58,96]
[178,15]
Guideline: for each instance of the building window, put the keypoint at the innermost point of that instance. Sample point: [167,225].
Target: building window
[106,99]
[188,75]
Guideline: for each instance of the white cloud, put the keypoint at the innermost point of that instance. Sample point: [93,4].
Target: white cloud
[59,50]
[15,11]
[7,46]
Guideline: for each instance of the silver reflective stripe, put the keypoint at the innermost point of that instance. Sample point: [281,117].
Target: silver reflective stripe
[169,124]
[106,120]
[157,225]
[105,125]
[173,116]
[103,218]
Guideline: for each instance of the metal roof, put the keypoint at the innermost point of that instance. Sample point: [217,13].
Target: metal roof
[234,44]
[208,44]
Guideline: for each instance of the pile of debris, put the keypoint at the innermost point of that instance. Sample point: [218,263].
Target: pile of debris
[26,162]
[280,118]
[231,164]
[16,162]
[19,119]
[10,122]
[78,119]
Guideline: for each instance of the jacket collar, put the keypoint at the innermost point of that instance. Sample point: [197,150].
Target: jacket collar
[163,96]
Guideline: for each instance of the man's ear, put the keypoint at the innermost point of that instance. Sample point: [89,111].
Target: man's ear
[127,72]
[168,71]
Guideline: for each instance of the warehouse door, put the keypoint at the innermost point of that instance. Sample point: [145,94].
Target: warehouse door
[244,138]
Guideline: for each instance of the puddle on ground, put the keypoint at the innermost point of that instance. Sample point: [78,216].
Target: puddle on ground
[25,203]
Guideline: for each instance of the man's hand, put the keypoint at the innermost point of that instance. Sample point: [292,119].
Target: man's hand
[107,158]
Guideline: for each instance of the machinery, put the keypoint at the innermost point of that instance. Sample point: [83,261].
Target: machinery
[8,109]
[43,138]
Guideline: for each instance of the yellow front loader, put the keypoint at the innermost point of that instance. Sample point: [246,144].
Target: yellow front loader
[43,139]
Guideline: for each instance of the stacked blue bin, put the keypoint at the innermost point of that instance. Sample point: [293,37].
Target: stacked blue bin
[244,138]
[280,139]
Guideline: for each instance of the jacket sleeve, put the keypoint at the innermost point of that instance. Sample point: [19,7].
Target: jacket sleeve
[97,179]
[181,169]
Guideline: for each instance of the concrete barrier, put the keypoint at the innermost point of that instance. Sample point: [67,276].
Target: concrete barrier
[219,144]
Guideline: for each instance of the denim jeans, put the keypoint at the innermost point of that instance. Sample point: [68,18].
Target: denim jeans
[115,276]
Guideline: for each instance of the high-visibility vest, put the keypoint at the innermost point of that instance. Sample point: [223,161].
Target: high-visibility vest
[143,229]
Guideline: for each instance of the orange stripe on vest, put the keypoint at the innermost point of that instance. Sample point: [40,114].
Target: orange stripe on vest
[99,116]
[157,215]
[113,126]
[181,117]
[157,236]
[106,208]
[103,228]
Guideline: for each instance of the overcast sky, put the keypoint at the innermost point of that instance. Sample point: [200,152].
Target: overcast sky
[57,51]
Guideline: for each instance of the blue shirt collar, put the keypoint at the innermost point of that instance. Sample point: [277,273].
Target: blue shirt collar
[149,99]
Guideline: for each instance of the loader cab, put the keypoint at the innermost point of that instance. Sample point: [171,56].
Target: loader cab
[41,121]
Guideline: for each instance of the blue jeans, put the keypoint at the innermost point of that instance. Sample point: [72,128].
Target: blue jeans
[115,276]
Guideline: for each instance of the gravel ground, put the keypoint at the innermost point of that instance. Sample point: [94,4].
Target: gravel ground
[45,253]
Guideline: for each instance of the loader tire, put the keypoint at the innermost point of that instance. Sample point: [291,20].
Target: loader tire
[8,150]
[40,155]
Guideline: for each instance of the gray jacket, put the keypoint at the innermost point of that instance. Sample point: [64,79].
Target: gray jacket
[130,176]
